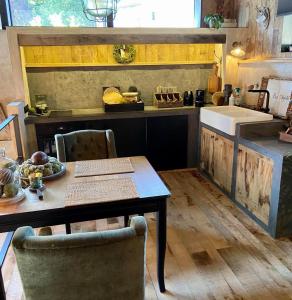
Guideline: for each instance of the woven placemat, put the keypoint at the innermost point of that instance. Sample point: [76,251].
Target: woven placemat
[96,191]
[103,167]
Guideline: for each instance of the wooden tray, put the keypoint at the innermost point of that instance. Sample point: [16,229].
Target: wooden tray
[285,137]
[168,100]
[124,107]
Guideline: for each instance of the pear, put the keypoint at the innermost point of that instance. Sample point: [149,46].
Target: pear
[10,190]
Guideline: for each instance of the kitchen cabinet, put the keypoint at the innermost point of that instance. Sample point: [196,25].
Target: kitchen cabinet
[254,182]
[216,158]
[167,142]
[255,168]
[45,134]
[164,140]
[130,135]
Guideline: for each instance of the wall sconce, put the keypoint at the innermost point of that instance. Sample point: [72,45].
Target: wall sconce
[237,50]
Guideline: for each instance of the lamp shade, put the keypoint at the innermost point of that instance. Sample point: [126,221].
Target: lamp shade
[237,50]
[99,10]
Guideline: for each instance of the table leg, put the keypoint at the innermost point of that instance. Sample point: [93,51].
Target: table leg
[126,220]
[68,228]
[3,253]
[161,243]
[2,289]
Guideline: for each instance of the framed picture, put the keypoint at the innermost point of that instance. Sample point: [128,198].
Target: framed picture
[280,95]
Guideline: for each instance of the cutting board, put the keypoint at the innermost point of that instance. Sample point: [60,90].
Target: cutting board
[5,133]
[214,81]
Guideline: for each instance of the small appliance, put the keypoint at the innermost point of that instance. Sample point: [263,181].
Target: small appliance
[188,98]
[200,98]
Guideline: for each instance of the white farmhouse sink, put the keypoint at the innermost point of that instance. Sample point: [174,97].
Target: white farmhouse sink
[225,118]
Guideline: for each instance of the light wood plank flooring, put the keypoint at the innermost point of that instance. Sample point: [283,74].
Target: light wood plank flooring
[213,251]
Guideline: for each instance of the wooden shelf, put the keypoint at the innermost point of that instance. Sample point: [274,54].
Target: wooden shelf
[79,65]
[267,60]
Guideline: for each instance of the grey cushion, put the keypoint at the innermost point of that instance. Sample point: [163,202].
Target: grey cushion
[85,145]
[88,266]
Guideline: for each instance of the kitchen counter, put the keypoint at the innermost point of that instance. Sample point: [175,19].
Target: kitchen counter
[254,168]
[264,137]
[160,134]
[99,113]
[272,144]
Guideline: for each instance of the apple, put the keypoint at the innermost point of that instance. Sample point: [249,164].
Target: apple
[39,158]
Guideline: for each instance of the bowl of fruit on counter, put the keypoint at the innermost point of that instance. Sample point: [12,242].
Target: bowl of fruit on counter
[41,163]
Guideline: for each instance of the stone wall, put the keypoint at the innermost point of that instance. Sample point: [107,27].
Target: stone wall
[83,88]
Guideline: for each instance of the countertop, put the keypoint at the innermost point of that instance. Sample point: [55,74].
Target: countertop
[265,136]
[99,113]
[272,144]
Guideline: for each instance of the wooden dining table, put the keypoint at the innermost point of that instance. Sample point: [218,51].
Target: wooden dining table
[51,210]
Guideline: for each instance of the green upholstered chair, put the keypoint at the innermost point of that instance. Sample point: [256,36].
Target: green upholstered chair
[85,145]
[88,266]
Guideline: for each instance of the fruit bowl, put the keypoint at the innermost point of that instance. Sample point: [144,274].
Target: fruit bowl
[49,167]
[12,200]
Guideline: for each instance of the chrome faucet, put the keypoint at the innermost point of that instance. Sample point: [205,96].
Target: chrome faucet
[267,108]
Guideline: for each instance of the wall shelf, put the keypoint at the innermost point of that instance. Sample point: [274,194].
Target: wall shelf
[267,60]
[80,65]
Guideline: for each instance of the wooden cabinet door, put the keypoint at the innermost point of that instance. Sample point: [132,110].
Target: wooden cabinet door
[130,135]
[217,158]
[254,182]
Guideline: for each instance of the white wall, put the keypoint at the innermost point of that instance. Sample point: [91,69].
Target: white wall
[7,89]
[287,32]
[252,73]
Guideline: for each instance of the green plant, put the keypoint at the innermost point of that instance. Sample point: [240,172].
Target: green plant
[214,20]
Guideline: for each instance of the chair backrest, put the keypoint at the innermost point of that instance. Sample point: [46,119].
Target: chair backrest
[85,145]
[88,266]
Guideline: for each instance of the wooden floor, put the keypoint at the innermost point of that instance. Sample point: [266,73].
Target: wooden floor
[213,252]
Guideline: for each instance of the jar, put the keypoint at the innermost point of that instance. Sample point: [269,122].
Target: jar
[9,176]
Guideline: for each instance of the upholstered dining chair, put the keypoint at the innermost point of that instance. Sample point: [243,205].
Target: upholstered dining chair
[85,145]
[89,266]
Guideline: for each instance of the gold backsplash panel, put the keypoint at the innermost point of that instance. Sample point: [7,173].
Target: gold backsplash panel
[102,55]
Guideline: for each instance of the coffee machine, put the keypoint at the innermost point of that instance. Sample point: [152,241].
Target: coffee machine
[188,98]
[200,98]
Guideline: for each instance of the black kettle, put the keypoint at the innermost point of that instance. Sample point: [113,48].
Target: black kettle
[188,98]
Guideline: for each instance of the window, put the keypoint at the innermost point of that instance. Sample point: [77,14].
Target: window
[49,13]
[131,13]
[155,13]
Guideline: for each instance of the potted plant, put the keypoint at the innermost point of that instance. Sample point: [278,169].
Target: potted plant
[214,20]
